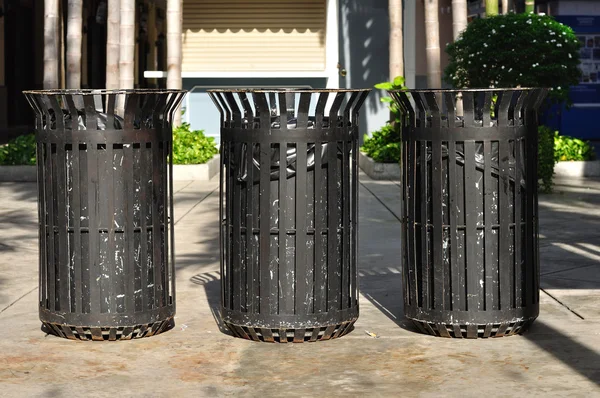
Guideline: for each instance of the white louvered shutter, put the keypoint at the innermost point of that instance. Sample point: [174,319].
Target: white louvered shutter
[253,35]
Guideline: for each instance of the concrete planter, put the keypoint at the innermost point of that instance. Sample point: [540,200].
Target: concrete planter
[196,172]
[378,171]
[590,168]
[181,172]
[18,173]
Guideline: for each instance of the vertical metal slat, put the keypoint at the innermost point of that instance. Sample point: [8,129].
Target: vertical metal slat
[320,291]
[472,268]
[437,231]
[458,303]
[424,203]
[506,272]
[332,228]
[303,299]
[265,228]
[491,269]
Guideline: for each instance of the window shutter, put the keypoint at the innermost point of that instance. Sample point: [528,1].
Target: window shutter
[254,35]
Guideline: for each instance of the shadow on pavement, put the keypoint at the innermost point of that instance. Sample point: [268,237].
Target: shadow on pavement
[207,256]
[578,357]
[21,191]
[571,250]
[383,288]
[17,223]
[18,228]
[204,248]
[211,281]
[3,283]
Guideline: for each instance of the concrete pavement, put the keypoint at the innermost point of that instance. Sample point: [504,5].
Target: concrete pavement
[559,356]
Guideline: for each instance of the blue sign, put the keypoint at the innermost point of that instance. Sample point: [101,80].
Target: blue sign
[587,29]
[580,23]
[582,119]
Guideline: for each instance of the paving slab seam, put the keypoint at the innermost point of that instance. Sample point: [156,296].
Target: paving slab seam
[396,182]
[24,248]
[380,201]
[563,304]
[182,188]
[17,300]
[577,188]
[196,205]
[568,269]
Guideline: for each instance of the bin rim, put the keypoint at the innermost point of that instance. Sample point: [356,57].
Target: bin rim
[103,91]
[463,90]
[289,90]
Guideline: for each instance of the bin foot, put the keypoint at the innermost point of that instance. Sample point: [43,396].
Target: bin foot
[107,333]
[291,335]
[473,331]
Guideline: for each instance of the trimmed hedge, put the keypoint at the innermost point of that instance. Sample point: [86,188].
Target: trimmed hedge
[384,145]
[18,151]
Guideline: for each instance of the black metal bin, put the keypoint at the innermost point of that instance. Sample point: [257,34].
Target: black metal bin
[469,210]
[105,211]
[289,208]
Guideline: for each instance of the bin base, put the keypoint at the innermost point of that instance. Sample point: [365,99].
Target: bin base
[291,335]
[107,333]
[473,331]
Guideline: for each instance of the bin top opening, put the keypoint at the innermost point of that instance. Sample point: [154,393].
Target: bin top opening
[102,91]
[289,90]
[465,90]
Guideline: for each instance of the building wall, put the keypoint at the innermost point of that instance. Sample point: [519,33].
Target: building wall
[364,50]
[21,58]
[446,32]
[587,8]
[364,53]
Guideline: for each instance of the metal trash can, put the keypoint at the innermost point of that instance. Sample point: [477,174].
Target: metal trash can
[105,210]
[469,210]
[289,209]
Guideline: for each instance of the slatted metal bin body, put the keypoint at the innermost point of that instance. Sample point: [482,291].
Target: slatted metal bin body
[289,212]
[105,211]
[469,210]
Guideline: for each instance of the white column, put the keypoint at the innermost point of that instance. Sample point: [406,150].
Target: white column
[127,45]
[51,44]
[174,45]
[410,48]
[332,45]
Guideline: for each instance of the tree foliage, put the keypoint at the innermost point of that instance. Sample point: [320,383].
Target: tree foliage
[513,50]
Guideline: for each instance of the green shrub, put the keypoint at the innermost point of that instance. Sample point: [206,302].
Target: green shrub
[571,149]
[545,159]
[397,84]
[18,151]
[192,147]
[512,50]
[384,146]
[189,147]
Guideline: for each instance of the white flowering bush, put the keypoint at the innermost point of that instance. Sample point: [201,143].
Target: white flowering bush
[513,50]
